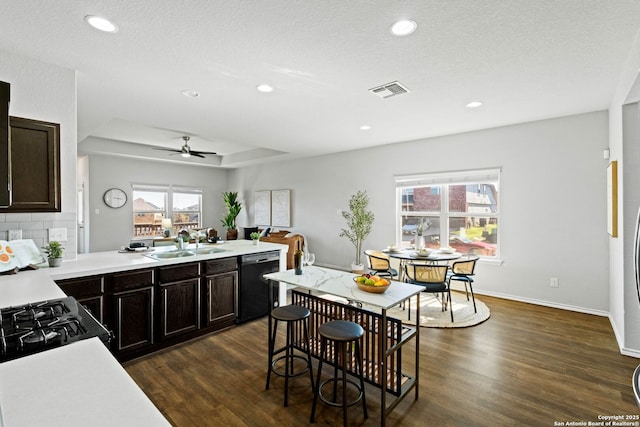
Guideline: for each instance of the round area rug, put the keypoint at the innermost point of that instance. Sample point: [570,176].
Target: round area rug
[432,316]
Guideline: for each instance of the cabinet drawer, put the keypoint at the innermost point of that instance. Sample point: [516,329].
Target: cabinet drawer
[82,287]
[221,265]
[179,272]
[129,280]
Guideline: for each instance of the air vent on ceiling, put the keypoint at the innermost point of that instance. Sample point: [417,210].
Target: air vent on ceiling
[389,89]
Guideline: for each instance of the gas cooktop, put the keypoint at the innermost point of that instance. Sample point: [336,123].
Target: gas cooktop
[40,326]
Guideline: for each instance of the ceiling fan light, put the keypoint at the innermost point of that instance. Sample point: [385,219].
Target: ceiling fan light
[185,154]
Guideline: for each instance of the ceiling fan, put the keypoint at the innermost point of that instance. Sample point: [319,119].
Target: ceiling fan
[185,150]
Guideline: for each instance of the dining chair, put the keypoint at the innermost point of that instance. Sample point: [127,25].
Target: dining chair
[434,280]
[380,265]
[463,271]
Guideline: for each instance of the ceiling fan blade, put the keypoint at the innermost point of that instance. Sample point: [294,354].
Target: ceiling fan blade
[203,152]
[167,149]
[197,154]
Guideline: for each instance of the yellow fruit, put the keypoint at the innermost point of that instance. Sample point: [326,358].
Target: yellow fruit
[361,279]
[379,283]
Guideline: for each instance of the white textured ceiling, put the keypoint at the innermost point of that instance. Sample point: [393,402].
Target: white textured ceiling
[526,60]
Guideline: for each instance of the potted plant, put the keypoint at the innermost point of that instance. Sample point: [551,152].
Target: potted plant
[255,237]
[54,253]
[359,221]
[233,210]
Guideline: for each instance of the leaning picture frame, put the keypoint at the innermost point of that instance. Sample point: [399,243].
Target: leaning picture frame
[262,208]
[612,199]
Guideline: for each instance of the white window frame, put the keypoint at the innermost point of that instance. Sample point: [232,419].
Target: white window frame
[168,191]
[446,179]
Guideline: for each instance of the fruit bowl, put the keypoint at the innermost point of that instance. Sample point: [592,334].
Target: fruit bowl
[372,283]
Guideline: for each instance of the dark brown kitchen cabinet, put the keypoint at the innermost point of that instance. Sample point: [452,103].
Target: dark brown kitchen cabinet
[179,299]
[132,305]
[34,166]
[5,89]
[221,292]
[88,291]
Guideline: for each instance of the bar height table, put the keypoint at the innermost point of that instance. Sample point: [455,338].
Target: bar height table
[341,284]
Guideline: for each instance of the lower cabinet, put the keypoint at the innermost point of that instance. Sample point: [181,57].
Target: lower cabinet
[221,292]
[133,310]
[88,291]
[179,299]
[152,308]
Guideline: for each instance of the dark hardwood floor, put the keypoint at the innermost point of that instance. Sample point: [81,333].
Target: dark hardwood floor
[526,366]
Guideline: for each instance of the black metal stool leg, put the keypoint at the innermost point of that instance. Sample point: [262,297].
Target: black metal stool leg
[316,389]
[306,337]
[287,362]
[359,361]
[343,352]
[272,341]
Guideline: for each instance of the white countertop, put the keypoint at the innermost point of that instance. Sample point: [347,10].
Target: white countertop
[80,384]
[37,285]
[340,283]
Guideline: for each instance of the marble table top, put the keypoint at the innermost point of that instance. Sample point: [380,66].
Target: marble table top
[341,284]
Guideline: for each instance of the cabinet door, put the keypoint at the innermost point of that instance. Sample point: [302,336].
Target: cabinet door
[133,319]
[179,307]
[221,299]
[5,90]
[88,291]
[35,166]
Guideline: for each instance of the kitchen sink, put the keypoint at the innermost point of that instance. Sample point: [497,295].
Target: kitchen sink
[206,251]
[180,253]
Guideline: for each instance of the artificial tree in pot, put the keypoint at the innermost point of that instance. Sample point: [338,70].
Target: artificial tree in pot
[233,210]
[359,221]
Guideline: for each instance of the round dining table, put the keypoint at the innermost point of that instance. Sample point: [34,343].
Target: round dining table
[434,257]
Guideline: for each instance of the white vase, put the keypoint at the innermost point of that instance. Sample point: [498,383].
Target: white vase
[357,268]
[419,242]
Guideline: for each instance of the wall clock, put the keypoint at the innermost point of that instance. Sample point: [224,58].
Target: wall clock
[115,198]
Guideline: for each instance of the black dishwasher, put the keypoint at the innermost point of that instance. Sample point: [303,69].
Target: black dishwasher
[253,291]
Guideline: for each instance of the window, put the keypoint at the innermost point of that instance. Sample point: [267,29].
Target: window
[460,208]
[152,204]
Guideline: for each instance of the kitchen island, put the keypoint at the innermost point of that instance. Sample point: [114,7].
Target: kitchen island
[82,383]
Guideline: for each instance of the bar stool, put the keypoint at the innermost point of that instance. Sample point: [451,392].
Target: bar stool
[289,314]
[341,333]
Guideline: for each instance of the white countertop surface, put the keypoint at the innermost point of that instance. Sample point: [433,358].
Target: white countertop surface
[340,283]
[80,384]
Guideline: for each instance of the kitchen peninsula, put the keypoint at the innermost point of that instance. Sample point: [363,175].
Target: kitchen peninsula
[82,383]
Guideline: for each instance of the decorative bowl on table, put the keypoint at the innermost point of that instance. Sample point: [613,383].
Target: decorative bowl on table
[372,283]
[447,250]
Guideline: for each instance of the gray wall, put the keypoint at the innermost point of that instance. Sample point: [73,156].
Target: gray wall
[112,228]
[552,201]
[45,92]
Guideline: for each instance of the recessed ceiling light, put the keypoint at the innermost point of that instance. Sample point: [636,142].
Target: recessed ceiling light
[365,127]
[191,93]
[102,24]
[264,88]
[403,27]
[474,104]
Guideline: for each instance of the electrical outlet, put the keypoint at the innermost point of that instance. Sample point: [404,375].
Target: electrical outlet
[553,282]
[58,234]
[15,234]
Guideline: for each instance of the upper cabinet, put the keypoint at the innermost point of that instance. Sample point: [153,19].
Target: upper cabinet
[4,144]
[34,166]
